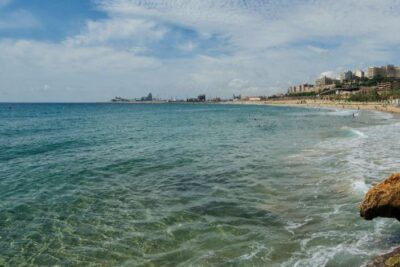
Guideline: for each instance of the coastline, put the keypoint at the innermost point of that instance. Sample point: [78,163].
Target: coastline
[372,106]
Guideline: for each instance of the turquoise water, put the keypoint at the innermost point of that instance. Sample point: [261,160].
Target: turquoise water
[191,185]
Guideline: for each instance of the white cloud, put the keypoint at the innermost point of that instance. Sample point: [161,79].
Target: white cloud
[68,58]
[238,83]
[262,24]
[329,74]
[187,47]
[261,47]
[117,30]
[318,50]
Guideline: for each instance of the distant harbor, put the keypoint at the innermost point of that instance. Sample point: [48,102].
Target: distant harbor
[150,100]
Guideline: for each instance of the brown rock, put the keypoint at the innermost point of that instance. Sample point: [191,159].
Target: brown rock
[391,259]
[382,200]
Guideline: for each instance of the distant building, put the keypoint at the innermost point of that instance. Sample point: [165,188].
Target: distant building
[302,88]
[216,99]
[392,71]
[388,86]
[119,99]
[202,98]
[388,71]
[324,81]
[346,76]
[374,72]
[347,91]
[359,74]
[149,97]
[254,98]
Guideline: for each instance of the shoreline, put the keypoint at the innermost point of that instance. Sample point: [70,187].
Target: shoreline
[371,106]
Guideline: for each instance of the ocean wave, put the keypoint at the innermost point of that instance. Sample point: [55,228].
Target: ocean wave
[382,115]
[360,186]
[346,165]
[351,253]
[341,112]
[354,132]
[323,255]
[291,226]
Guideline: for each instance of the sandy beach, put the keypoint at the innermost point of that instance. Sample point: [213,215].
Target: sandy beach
[378,106]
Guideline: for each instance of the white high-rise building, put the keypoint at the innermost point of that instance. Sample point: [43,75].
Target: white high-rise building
[359,74]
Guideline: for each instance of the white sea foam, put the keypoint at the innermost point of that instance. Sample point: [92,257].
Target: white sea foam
[360,186]
[291,226]
[257,249]
[355,132]
[382,115]
[374,154]
[359,133]
[321,255]
[341,112]
[359,158]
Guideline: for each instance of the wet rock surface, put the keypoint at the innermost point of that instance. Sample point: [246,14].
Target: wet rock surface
[382,200]
[391,259]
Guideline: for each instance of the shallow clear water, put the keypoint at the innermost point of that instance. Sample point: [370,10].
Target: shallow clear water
[191,185]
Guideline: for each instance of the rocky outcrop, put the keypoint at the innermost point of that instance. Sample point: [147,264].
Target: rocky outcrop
[391,259]
[383,200]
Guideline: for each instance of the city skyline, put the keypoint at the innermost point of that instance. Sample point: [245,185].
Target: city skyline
[94,50]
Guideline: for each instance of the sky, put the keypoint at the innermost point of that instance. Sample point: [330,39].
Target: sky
[94,50]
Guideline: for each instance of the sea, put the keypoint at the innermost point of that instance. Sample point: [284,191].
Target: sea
[192,185]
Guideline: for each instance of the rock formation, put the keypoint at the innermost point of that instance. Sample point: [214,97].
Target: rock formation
[382,200]
[391,259]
